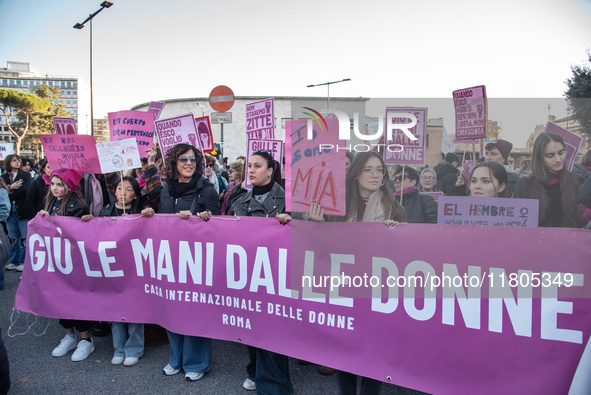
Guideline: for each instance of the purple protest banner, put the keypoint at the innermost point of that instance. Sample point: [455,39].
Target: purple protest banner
[204,133]
[572,142]
[431,319]
[436,195]
[471,113]
[156,108]
[407,150]
[72,151]
[470,210]
[173,131]
[260,120]
[275,146]
[316,166]
[133,124]
[64,125]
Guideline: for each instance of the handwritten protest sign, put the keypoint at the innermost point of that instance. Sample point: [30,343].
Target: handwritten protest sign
[155,108]
[469,210]
[64,125]
[133,124]
[316,174]
[260,120]
[173,131]
[572,143]
[467,171]
[204,133]
[436,195]
[119,155]
[275,146]
[6,149]
[75,151]
[471,113]
[406,151]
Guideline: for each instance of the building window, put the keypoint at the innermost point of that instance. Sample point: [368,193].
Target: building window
[63,84]
[18,82]
[75,102]
[68,93]
[69,84]
[75,93]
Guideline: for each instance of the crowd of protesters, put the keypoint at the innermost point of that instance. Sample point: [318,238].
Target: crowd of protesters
[188,183]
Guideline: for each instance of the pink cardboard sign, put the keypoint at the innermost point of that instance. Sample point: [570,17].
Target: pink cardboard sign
[204,133]
[406,150]
[73,151]
[156,108]
[173,131]
[514,320]
[133,124]
[471,113]
[467,171]
[260,120]
[64,125]
[275,146]
[317,167]
[572,142]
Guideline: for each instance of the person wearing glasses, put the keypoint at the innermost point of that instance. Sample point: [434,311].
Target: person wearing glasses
[428,180]
[369,198]
[213,174]
[18,182]
[185,191]
[420,209]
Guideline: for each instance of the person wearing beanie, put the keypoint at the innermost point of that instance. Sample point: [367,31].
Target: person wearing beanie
[499,151]
[63,198]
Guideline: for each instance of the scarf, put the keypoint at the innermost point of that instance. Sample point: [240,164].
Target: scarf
[553,177]
[374,210]
[405,191]
[178,189]
[97,196]
[46,179]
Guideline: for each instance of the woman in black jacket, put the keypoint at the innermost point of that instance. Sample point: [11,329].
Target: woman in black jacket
[186,191]
[18,183]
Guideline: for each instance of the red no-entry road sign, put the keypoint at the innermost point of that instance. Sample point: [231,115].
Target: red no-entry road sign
[221,98]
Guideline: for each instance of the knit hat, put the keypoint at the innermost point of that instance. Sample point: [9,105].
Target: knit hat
[70,177]
[503,146]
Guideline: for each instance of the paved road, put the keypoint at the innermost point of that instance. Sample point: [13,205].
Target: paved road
[33,370]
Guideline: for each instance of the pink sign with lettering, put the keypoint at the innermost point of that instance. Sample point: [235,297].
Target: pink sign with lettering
[64,125]
[471,113]
[407,146]
[72,151]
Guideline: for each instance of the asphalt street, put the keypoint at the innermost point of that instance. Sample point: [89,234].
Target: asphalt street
[29,341]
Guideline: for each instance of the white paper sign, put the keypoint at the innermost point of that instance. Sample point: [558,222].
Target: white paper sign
[119,155]
[6,149]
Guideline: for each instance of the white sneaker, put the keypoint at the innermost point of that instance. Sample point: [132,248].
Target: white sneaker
[130,361]
[169,370]
[66,344]
[117,360]
[249,385]
[19,268]
[11,266]
[193,376]
[83,350]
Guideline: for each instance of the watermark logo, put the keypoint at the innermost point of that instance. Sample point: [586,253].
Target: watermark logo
[345,130]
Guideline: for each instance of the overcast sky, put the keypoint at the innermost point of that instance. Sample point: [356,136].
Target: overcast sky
[152,50]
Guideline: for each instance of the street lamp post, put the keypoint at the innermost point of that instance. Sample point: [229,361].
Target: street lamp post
[104,4]
[328,84]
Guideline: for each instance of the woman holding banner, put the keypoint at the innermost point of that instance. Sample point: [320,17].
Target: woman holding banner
[185,191]
[488,179]
[64,198]
[268,372]
[368,199]
[553,185]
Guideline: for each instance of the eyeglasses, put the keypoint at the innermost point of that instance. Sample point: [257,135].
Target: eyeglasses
[209,165]
[369,171]
[263,151]
[397,178]
[185,159]
[429,178]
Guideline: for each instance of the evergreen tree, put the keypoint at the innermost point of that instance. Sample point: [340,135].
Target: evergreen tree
[578,95]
